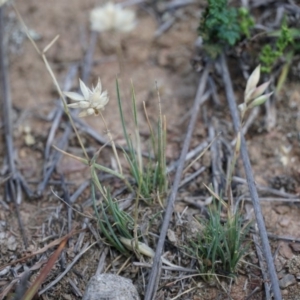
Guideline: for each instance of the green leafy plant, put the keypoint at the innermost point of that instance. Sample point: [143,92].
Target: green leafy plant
[269,56]
[221,25]
[246,21]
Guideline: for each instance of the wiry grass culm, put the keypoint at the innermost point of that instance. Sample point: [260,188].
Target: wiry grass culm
[250,178]
[150,175]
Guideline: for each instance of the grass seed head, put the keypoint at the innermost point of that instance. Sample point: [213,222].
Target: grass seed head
[254,95]
[91,100]
[112,17]
[252,82]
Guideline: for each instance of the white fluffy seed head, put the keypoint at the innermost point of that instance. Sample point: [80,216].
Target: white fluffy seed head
[112,17]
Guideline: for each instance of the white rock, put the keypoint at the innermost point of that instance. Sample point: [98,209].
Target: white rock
[110,287]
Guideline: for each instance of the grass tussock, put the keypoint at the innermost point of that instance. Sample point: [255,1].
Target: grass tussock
[221,244]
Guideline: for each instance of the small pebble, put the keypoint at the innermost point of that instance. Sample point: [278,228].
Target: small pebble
[172,236]
[295,247]
[287,280]
[285,251]
[284,222]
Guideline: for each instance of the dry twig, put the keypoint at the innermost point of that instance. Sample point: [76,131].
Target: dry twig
[194,152]
[13,184]
[261,261]
[267,189]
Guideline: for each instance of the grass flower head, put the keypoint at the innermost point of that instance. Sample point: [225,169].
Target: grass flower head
[112,17]
[252,90]
[91,101]
[254,95]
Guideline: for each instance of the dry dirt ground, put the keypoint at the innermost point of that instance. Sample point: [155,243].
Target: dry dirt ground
[165,62]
